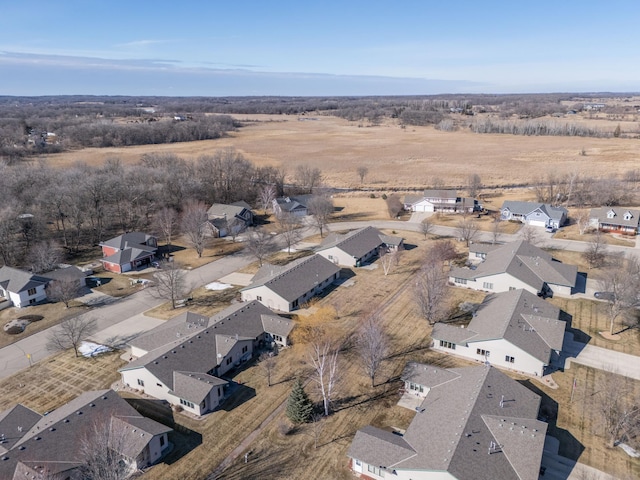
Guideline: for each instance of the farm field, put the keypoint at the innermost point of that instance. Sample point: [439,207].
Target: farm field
[396,157]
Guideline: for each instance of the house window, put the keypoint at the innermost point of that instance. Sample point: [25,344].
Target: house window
[162,441]
[627,216]
[186,403]
[461,281]
[480,255]
[141,382]
[450,345]
[330,257]
[509,359]
[31,291]
[611,214]
[259,298]
[487,286]
[484,353]
[244,349]
[159,385]
[375,470]
[512,288]
[219,391]
[229,360]
[32,301]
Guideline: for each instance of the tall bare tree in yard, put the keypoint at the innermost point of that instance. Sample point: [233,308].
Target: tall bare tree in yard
[467,229]
[621,280]
[44,256]
[394,205]
[167,221]
[195,225]
[496,228]
[596,251]
[308,177]
[323,356]
[70,333]
[372,344]
[362,172]
[170,282]
[288,226]
[266,196]
[103,449]
[431,289]
[618,410]
[389,260]
[320,208]
[235,227]
[582,220]
[529,234]
[267,363]
[426,227]
[63,290]
[260,243]
[474,185]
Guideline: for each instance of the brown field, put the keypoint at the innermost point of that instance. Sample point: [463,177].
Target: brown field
[396,157]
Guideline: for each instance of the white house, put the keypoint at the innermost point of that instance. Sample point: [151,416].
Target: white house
[38,446]
[294,205]
[181,361]
[22,288]
[615,219]
[355,248]
[515,330]
[286,288]
[514,266]
[534,213]
[226,217]
[446,201]
[474,423]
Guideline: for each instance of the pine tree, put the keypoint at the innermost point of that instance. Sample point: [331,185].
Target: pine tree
[299,407]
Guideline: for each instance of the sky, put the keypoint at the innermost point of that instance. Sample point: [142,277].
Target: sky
[321,48]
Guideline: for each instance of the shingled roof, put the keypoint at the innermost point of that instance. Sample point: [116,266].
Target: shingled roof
[525,262]
[525,208]
[294,279]
[519,317]
[476,427]
[356,243]
[14,280]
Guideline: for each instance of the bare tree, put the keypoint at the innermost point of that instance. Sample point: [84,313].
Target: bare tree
[394,205]
[362,172]
[195,225]
[431,289]
[267,363]
[288,226]
[170,282]
[308,177]
[426,227]
[496,229]
[315,427]
[621,281]
[582,220]
[467,229]
[44,256]
[618,410]
[372,344]
[260,243]
[103,448]
[474,185]
[529,234]
[596,250]
[235,227]
[323,356]
[389,259]
[320,208]
[63,290]
[266,196]
[167,221]
[70,333]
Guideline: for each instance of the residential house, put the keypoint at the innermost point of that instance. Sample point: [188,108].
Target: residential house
[68,273]
[534,213]
[615,219]
[518,265]
[474,423]
[295,205]
[286,288]
[182,360]
[446,201]
[515,330]
[128,251]
[355,248]
[22,288]
[36,446]
[223,218]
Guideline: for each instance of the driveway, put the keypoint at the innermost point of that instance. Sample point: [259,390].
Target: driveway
[93,298]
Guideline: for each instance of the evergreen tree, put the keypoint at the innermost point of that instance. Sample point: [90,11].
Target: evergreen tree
[299,407]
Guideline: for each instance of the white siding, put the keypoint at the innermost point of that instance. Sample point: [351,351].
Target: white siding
[23,299]
[501,282]
[338,256]
[267,297]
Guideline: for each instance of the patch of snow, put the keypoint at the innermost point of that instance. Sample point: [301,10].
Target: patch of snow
[629,450]
[217,286]
[90,349]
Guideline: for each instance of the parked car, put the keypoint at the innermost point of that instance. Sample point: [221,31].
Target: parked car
[550,228]
[609,296]
[155,264]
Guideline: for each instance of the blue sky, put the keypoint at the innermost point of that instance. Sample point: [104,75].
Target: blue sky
[217,48]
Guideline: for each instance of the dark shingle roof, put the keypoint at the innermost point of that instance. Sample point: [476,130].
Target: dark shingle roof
[14,280]
[131,239]
[293,280]
[379,447]
[525,208]
[356,243]
[618,218]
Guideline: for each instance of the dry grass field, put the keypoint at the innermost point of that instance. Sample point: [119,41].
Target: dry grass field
[396,157]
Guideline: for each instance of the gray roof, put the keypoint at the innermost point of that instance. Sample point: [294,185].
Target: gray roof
[619,214]
[483,247]
[289,204]
[356,243]
[459,421]
[178,328]
[70,273]
[129,254]
[410,199]
[525,208]
[194,386]
[379,447]
[293,280]
[518,316]
[222,210]
[16,281]
[12,419]
[440,194]
[427,375]
[131,239]
[525,262]
[55,440]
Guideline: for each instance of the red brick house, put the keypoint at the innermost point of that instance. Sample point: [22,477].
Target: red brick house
[128,252]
